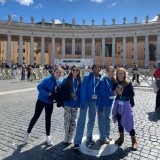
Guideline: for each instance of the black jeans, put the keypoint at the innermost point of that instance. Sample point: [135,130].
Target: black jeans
[158,99]
[38,110]
[120,127]
[135,77]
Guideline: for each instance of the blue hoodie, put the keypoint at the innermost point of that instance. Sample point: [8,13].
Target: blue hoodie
[72,102]
[105,92]
[87,89]
[45,87]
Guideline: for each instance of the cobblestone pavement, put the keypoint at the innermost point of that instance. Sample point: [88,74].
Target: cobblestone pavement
[16,110]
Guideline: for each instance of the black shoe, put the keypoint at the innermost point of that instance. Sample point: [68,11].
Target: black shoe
[76,147]
[90,142]
[105,141]
[157,109]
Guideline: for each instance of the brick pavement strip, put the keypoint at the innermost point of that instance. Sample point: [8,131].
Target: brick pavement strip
[16,110]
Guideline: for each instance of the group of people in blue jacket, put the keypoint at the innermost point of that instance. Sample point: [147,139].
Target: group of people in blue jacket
[92,94]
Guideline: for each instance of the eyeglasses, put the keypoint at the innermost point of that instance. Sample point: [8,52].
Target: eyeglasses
[75,70]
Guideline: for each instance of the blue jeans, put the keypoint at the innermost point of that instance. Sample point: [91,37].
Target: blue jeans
[104,122]
[81,122]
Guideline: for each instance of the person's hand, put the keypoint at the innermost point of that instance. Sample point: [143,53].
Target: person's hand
[50,96]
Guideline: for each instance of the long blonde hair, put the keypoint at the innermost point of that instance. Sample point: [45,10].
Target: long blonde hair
[111,67]
[125,81]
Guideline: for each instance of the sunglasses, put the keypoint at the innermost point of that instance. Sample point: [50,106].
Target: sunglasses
[75,70]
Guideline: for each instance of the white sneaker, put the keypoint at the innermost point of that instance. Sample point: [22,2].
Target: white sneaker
[70,140]
[49,141]
[26,136]
[65,139]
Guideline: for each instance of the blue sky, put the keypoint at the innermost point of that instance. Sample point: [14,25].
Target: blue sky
[79,9]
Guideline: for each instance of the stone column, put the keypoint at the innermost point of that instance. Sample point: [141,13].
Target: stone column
[20,54]
[158,48]
[135,56]
[113,50]
[73,48]
[93,49]
[103,52]
[53,51]
[83,48]
[63,48]
[124,51]
[146,51]
[31,50]
[42,50]
[9,50]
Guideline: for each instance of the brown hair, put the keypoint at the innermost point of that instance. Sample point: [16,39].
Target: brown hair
[111,67]
[69,81]
[125,81]
[57,68]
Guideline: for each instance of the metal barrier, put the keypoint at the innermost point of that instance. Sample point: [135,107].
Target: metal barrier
[5,73]
[145,76]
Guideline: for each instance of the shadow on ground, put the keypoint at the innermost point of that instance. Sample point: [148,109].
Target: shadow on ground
[153,116]
[59,152]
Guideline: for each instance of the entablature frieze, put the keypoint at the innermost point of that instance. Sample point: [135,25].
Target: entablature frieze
[114,31]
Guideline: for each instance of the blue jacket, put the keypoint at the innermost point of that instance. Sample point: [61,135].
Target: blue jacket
[45,87]
[106,91]
[87,89]
[73,103]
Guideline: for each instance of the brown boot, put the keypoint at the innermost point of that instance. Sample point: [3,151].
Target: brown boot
[134,143]
[120,140]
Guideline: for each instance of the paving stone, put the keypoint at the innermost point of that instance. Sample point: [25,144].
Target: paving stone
[20,108]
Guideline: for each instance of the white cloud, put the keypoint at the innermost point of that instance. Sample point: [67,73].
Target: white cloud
[39,6]
[154,19]
[98,1]
[112,5]
[2,2]
[151,20]
[25,2]
[57,21]
[15,17]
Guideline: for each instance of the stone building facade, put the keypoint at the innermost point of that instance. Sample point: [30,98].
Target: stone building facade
[42,43]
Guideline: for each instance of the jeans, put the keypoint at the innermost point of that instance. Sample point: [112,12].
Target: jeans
[38,110]
[120,127]
[81,122]
[135,77]
[104,122]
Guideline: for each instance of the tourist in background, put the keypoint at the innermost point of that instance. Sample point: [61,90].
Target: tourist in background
[14,70]
[105,103]
[88,101]
[73,81]
[45,89]
[135,74]
[157,77]
[122,110]
[23,72]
